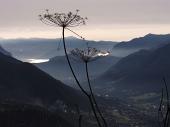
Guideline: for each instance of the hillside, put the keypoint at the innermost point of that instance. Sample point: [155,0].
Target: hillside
[59,69]
[140,72]
[149,41]
[2,50]
[29,115]
[26,83]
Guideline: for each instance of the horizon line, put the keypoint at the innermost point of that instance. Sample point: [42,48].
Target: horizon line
[27,38]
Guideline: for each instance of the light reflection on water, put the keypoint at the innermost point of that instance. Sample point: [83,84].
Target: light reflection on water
[37,60]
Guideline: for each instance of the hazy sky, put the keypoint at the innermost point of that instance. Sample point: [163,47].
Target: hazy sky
[108,19]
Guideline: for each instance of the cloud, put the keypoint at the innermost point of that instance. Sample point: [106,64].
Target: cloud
[24,12]
[19,15]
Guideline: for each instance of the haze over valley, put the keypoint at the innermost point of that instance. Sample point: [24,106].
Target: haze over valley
[84,63]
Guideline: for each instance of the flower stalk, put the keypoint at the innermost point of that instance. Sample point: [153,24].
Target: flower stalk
[164,110]
[64,21]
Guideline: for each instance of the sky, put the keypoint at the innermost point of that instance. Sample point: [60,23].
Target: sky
[116,20]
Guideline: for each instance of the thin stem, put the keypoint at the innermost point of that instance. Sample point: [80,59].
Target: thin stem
[167,114]
[166,122]
[69,63]
[80,116]
[160,112]
[80,120]
[94,112]
[75,33]
[88,96]
[167,93]
[93,97]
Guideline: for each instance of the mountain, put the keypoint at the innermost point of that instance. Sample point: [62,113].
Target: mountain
[140,72]
[24,82]
[147,42]
[39,48]
[58,68]
[2,50]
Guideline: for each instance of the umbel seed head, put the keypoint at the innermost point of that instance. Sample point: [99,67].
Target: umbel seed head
[88,55]
[62,19]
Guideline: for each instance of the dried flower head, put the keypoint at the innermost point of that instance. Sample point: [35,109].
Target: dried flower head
[62,19]
[89,54]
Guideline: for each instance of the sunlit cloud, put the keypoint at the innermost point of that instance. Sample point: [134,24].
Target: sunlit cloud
[114,32]
[115,20]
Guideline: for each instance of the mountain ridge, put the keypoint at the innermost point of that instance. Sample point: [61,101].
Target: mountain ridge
[140,72]
[146,42]
[48,48]
[24,82]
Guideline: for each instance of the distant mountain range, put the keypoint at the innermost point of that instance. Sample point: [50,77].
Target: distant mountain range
[134,53]
[140,72]
[149,41]
[37,48]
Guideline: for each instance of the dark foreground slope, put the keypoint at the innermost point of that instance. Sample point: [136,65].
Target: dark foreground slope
[25,115]
[24,82]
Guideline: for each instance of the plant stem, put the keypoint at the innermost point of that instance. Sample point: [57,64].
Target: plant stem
[82,89]
[80,120]
[166,122]
[160,112]
[69,63]
[93,97]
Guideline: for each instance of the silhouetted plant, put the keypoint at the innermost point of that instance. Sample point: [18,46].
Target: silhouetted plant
[87,55]
[79,115]
[160,110]
[66,21]
[164,110]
